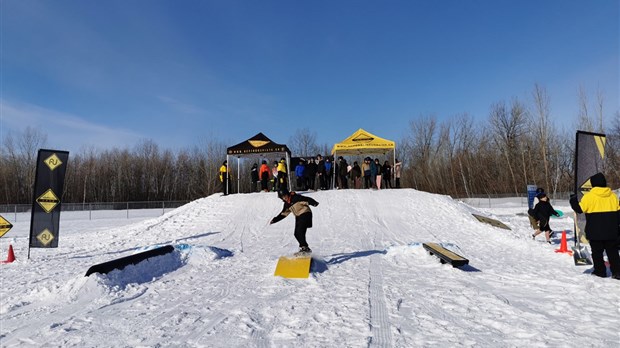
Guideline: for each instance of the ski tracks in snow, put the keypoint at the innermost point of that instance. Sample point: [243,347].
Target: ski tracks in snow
[380,327]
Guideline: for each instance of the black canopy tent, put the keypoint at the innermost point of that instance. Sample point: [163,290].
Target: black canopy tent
[256,145]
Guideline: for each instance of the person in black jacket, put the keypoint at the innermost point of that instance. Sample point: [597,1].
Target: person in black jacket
[542,212]
[310,174]
[602,229]
[299,206]
[254,177]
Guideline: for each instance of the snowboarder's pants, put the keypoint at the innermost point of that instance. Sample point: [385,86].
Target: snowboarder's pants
[611,248]
[302,223]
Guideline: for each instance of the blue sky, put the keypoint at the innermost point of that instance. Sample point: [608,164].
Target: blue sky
[112,73]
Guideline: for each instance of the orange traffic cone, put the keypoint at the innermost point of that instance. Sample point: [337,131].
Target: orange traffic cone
[563,246]
[11,256]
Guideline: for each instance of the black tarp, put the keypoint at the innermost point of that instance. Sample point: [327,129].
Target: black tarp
[257,144]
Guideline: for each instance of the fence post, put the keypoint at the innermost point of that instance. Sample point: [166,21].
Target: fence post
[128,210]
[15,212]
[163,208]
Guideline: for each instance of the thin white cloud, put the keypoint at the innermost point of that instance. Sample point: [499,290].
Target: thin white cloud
[184,108]
[63,130]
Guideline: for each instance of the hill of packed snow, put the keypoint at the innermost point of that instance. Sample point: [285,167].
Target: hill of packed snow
[372,282]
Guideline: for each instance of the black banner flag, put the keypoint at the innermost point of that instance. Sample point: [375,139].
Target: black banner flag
[48,188]
[589,160]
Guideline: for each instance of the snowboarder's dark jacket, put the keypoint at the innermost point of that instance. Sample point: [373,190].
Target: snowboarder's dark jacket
[602,210]
[299,206]
[542,211]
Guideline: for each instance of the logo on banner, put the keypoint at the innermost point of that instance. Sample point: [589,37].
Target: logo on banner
[48,201]
[5,226]
[258,143]
[45,237]
[363,137]
[53,162]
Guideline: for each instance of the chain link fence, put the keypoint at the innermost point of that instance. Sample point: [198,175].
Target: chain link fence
[497,200]
[96,210]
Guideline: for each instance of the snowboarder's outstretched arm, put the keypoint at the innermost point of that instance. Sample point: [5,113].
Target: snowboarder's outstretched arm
[280,216]
[310,201]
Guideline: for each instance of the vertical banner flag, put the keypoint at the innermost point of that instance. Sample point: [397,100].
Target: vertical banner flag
[531,194]
[48,187]
[589,158]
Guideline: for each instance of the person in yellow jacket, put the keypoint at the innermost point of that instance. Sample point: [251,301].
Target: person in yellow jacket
[602,229]
[225,178]
[282,173]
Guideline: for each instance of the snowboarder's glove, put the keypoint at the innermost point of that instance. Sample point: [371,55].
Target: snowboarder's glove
[315,204]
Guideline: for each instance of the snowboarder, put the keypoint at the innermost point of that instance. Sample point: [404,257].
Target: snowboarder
[602,211]
[542,212]
[299,206]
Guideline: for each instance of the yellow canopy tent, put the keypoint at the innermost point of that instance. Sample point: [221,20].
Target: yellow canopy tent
[364,143]
[361,143]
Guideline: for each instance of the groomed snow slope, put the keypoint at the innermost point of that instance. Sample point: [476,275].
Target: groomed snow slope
[372,283]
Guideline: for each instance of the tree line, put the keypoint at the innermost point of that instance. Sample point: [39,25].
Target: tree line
[516,145]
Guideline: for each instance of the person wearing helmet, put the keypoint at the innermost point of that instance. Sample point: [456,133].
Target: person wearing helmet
[542,212]
[300,207]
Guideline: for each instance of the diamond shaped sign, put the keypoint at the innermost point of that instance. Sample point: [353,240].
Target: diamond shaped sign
[48,201]
[53,162]
[45,237]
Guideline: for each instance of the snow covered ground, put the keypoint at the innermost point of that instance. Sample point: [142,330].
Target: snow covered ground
[372,283]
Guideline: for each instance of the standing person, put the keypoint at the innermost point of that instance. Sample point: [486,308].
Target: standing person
[533,220]
[386,171]
[299,206]
[356,175]
[366,172]
[320,170]
[274,176]
[397,171]
[299,174]
[264,176]
[373,173]
[225,178]
[282,170]
[328,173]
[310,173]
[342,173]
[602,211]
[254,177]
[542,212]
[378,174]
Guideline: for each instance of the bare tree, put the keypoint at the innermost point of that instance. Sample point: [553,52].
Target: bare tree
[508,127]
[584,121]
[541,125]
[303,143]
